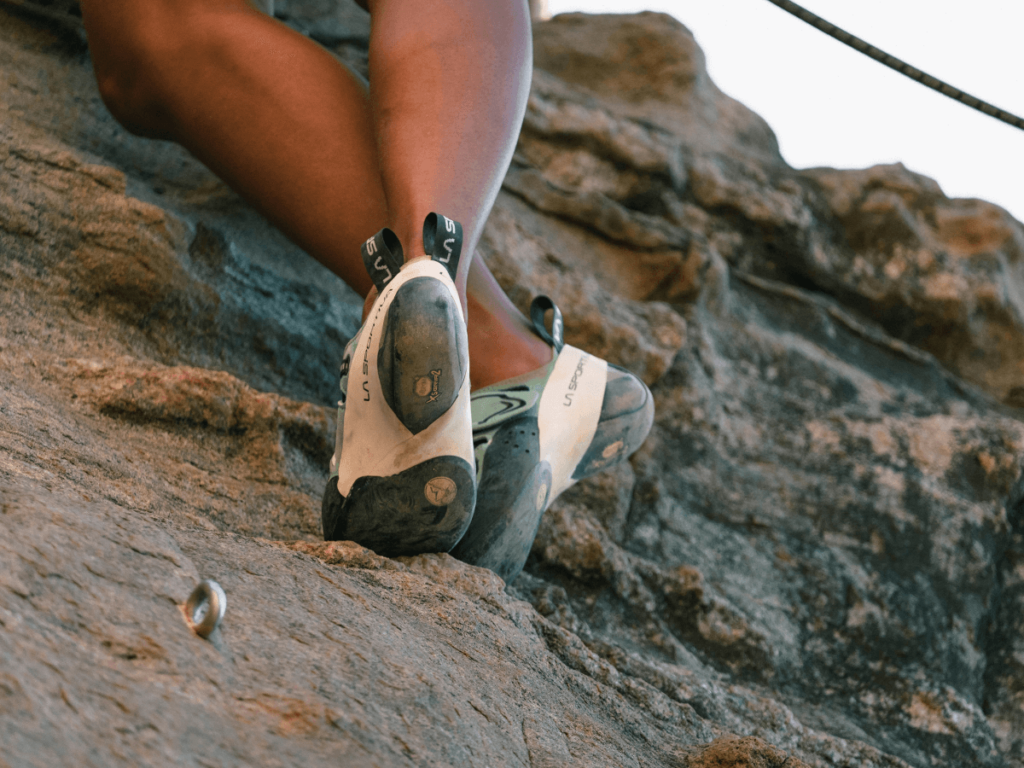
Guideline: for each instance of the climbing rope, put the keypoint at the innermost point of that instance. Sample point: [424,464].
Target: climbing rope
[900,66]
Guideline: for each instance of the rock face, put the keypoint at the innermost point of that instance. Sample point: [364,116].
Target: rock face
[944,275]
[815,560]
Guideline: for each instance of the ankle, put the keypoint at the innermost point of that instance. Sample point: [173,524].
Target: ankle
[501,350]
[513,360]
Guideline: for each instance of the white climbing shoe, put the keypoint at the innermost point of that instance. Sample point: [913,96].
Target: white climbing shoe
[536,435]
[402,475]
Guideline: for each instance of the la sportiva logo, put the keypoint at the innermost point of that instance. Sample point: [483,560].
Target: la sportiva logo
[379,265]
[574,382]
[449,226]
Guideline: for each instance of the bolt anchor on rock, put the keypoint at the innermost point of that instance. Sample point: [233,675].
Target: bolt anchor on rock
[205,607]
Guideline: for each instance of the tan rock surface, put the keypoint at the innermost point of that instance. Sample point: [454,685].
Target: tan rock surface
[649,68]
[814,560]
[945,275]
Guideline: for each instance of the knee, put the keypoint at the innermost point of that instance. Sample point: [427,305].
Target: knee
[129,66]
[125,99]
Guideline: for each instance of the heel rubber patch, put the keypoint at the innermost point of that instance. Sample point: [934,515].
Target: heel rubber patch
[423,358]
[425,508]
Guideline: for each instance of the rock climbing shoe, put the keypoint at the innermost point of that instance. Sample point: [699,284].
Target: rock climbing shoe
[402,477]
[537,434]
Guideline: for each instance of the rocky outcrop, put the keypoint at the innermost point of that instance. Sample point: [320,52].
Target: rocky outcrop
[944,275]
[815,559]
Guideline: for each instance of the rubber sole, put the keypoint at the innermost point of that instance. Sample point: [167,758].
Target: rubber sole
[516,488]
[509,503]
[426,508]
[423,355]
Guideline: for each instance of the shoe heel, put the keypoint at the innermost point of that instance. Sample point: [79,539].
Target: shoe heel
[426,508]
[423,358]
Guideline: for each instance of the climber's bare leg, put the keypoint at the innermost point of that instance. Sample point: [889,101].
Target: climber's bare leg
[449,81]
[497,332]
[290,129]
[269,111]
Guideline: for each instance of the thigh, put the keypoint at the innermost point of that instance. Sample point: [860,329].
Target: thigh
[135,43]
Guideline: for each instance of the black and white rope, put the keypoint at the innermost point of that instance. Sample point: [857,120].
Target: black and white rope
[900,66]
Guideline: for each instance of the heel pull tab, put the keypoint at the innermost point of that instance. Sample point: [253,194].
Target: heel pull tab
[442,241]
[538,309]
[382,257]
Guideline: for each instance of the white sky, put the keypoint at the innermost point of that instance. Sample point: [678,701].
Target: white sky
[830,105]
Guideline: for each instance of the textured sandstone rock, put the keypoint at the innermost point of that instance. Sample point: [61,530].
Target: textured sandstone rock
[648,67]
[175,284]
[815,560]
[945,275]
[314,663]
[750,752]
